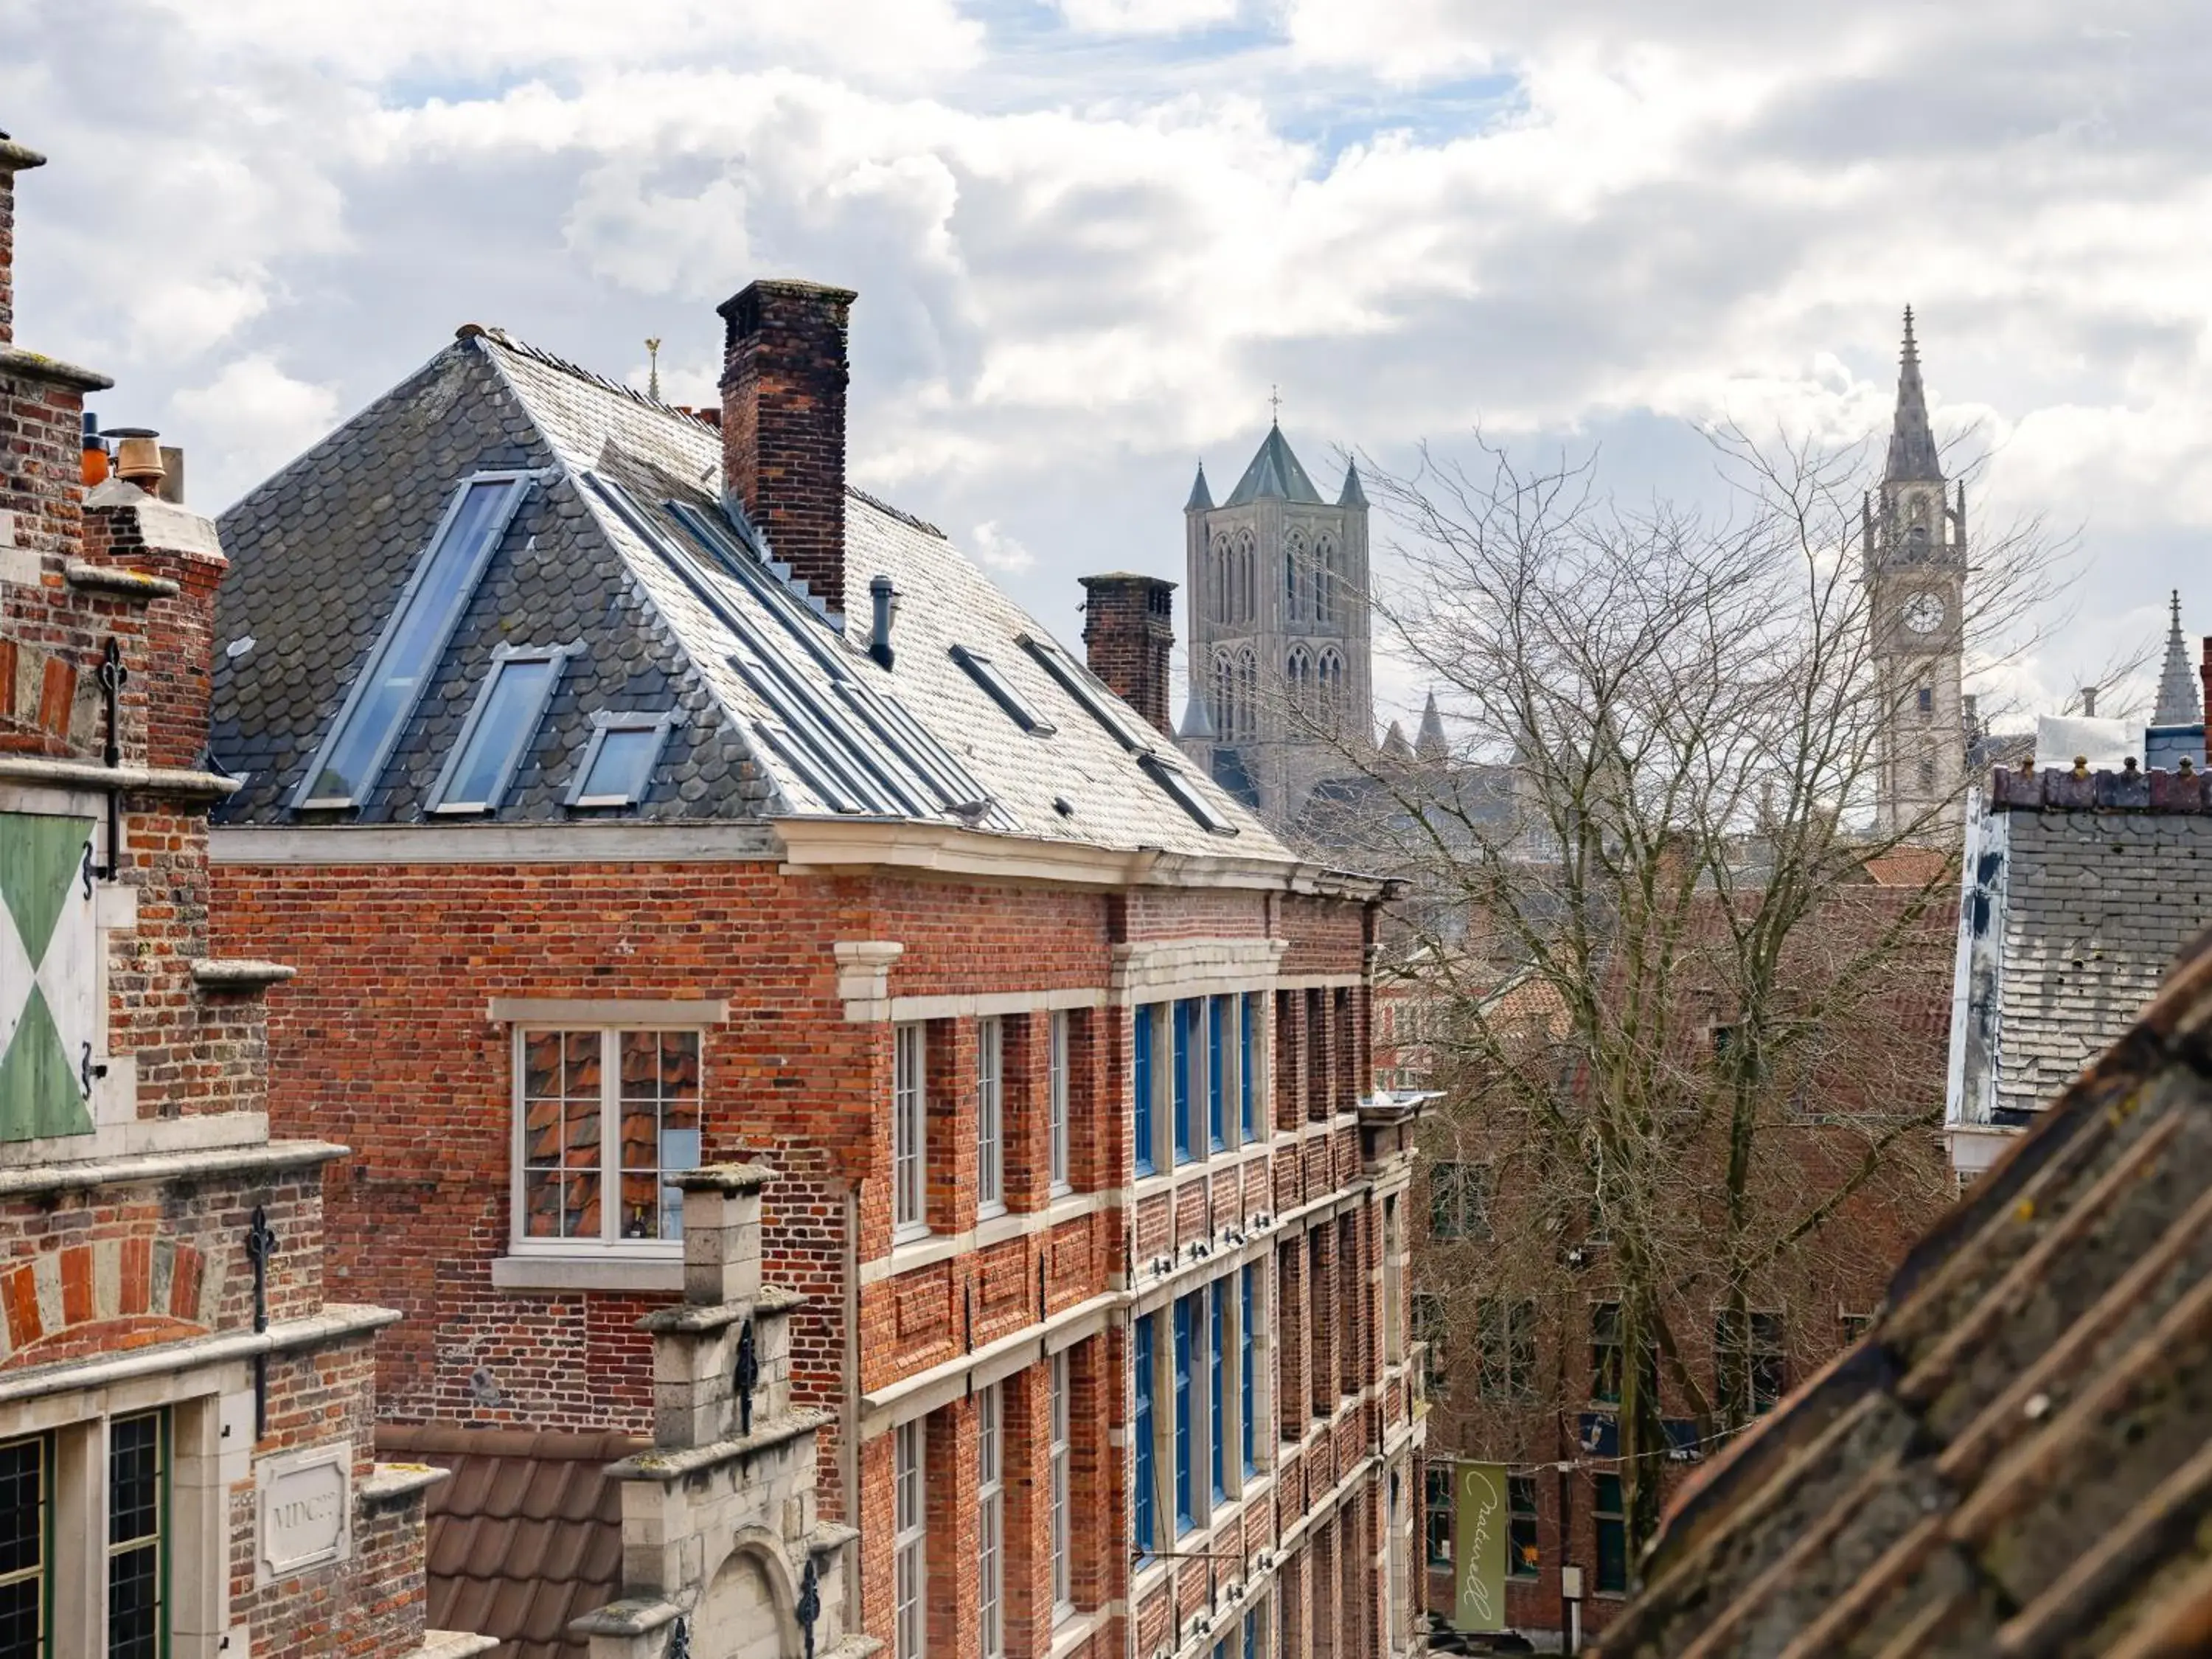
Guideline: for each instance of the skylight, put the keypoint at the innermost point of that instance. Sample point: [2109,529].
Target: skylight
[1078,682]
[1019,709]
[498,730]
[617,763]
[392,680]
[1170,778]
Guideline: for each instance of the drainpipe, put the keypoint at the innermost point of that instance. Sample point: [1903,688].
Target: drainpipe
[849,1450]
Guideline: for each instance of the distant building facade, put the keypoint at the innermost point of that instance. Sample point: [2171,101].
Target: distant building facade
[1281,648]
[186,1464]
[643,805]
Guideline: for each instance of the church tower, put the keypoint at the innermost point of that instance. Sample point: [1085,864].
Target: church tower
[1280,674]
[1914,540]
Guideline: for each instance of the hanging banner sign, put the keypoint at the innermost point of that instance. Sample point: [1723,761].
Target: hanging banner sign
[1479,1528]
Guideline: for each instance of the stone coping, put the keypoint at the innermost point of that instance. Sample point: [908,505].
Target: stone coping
[669,1466]
[260,1158]
[240,973]
[723,1178]
[393,1483]
[37,366]
[690,1319]
[114,579]
[637,1616]
[90,775]
[334,1323]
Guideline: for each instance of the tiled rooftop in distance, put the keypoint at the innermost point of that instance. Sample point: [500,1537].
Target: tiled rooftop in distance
[525,1536]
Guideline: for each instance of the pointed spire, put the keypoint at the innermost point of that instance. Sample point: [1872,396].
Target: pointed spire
[1911,440]
[2178,700]
[653,375]
[1196,725]
[1394,746]
[1201,498]
[1274,474]
[1430,743]
[1352,494]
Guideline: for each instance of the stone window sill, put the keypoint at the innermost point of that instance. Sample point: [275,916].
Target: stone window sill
[587,1272]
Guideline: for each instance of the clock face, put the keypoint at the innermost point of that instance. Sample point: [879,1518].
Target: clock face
[1923,613]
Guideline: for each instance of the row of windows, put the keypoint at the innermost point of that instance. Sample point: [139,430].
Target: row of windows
[136,1574]
[1195,1427]
[910,1117]
[911,1519]
[1313,585]
[1199,1063]
[1750,1357]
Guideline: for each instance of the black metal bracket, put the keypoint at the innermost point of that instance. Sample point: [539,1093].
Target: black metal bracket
[112,678]
[810,1603]
[260,1245]
[679,1640]
[747,1378]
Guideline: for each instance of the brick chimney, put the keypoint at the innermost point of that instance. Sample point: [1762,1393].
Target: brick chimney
[783,424]
[1128,626]
[14,158]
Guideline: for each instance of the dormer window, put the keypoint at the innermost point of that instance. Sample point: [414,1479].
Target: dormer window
[499,729]
[392,680]
[616,765]
[988,674]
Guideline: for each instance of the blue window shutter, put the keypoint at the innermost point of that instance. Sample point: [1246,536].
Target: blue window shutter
[1186,1508]
[1244,1372]
[1182,1081]
[1140,1072]
[1215,1129]
[1219,1418]
[1244,1065]
[1141,1514]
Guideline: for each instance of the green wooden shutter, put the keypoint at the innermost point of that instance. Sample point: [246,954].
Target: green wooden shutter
[50,1023]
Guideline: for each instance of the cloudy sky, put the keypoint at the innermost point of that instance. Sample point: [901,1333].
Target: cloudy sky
[1089,235]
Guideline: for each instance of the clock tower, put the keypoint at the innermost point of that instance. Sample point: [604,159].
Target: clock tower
[1914,539]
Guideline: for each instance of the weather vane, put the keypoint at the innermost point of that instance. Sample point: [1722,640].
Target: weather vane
[1274,404]
[653,375]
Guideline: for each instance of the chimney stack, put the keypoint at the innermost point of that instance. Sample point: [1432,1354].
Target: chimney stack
[2204,679]
[1128,628]
[13,158]
[783,424]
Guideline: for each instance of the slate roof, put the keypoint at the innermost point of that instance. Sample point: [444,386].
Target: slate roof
[624,548]
[2015,1459]
[1274,474]
[525,1537]
[2080,888]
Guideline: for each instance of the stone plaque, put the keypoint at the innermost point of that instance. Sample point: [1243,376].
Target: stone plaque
[306,1510]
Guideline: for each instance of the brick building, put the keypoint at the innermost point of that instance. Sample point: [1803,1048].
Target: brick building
[2080,887]
[185,1422]
[623,823]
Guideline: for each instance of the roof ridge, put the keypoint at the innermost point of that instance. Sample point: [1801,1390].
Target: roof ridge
[553,360]
[898,512]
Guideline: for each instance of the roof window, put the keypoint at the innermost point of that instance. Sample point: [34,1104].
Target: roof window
[415,637]
[1087,689]
[1169,777]
[499,729]
[985,672]
[618,759]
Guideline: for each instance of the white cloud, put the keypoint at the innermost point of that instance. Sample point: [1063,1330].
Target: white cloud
[996,550]
[1145,16]
[248,421]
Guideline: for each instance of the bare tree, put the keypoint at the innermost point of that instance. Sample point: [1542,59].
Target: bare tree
[1685,1001]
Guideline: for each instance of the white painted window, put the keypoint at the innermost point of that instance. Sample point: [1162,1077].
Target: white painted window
[990,1116]
[909,1130]
[602,1118]
[910,1615]
[1056,1098]
[990,1523]
[1058,1455]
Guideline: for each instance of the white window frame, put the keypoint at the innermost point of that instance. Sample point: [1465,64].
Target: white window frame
[1060,1459]
[611,1242]
[990,1522]
[1056,1046]
[604,722]
[990,1116]
[503,658]
[909,1541]
[304,797]
[909,1130]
